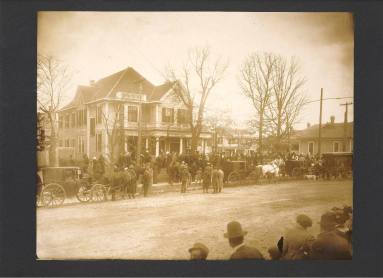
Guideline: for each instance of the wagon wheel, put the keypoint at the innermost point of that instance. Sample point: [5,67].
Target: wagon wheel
[84,192]
[97,193]
[253,175]
[296,172]
[233,177]
[52,195]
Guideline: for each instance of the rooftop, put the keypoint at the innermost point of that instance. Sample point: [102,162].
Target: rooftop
[127,80]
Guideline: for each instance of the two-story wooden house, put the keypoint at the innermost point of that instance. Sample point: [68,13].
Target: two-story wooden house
[108,116]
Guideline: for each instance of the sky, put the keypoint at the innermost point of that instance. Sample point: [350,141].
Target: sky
[97,44]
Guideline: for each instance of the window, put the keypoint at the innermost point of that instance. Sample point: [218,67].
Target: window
[81,144]
[182,116]
[81,118]
[67,143]
[120,109]
[167,115]
[92,126]
[98,142]
[295,147]
[233,141]
[132,114]
[336,147]
[98,114]
[311,148]
[60,121]
[73,120]
[66,121]
[220,140]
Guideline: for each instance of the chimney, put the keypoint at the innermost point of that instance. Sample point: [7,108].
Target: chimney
[92,82]
[308,125]
[332,119]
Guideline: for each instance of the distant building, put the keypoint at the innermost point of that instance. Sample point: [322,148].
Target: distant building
[332,137]
[235,141]
[111,106]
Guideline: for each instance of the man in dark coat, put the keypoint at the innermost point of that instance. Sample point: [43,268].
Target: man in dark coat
[236,235]
[132,185]
[147,179]
[207,178]
[330,243]
[297,240]
[185,176]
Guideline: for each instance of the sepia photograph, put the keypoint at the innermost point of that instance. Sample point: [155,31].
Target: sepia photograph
[194,135]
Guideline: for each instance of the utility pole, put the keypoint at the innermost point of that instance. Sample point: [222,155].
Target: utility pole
[320,122]
[345,125]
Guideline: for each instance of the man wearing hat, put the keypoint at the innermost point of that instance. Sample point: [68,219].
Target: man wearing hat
[236,235]
[198,252]
[330,243]
[297,240]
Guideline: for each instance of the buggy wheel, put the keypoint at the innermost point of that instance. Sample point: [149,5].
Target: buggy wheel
[52,195]
[84,192]
[233,177]
[97,193]
[296,172]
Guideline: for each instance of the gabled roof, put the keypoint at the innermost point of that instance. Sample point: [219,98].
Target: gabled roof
[83,95]
[127,80]
[329,130]
[160,91]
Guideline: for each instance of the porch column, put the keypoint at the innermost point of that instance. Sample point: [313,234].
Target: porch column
[146,143]
[157,146]
[181,146]
[106,133]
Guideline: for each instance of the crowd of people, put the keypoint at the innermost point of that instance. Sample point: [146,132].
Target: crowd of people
[209,170]
[334,242]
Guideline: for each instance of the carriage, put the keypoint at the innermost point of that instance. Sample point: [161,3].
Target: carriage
[55,184]
[337,165]
[235,171]
[296,168]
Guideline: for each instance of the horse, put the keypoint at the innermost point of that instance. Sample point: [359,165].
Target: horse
[270,170]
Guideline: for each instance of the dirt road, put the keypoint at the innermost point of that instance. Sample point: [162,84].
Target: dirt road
[164,226]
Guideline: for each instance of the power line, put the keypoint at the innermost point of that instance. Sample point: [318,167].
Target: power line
[326,99]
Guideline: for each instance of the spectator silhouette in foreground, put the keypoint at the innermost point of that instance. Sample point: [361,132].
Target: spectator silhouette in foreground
[236,235]
[198,252]
[330,243]
[297,240]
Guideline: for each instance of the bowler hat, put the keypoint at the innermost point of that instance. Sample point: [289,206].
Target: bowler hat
[234,229]
[201,247]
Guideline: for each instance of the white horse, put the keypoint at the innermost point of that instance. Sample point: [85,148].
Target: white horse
[271,169]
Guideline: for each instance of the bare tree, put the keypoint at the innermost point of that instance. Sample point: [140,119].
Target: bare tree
[256,82]
[113,121]
[194,84]
[287,98]
[53,78]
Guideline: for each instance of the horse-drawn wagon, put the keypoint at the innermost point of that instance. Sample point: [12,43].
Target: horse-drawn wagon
[296,168]
[337,164]
[55,184]
[235,171]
